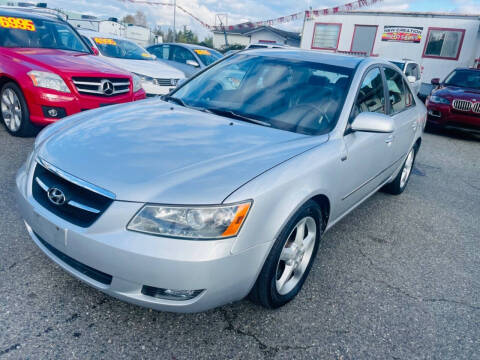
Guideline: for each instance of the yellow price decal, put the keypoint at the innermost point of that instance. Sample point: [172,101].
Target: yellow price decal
[104,41]
[202,52]
[16,23]
[146,55]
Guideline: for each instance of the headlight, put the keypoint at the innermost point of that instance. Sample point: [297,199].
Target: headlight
[48,80]
[439,100]
[137,83]
[201,223]
[145,78]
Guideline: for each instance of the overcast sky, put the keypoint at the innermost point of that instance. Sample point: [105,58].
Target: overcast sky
[246,10]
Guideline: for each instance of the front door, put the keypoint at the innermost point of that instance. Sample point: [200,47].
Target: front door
[368,156]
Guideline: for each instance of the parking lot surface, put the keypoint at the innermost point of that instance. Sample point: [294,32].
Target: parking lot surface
[399,278]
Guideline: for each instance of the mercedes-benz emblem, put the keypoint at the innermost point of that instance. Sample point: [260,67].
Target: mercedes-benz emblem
[107,87]
[56,196]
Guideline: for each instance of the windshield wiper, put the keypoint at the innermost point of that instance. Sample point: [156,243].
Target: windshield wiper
[237,116]
[175,100]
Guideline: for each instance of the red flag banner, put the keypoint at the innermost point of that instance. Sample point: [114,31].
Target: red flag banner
[308,14]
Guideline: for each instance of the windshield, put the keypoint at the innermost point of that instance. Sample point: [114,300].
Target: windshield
[292,95]
[207,56]
[401,65]
[464,78]
[123,49]
[38,33]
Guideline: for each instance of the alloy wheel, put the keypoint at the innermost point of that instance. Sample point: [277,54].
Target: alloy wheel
[296,255]
[11,110]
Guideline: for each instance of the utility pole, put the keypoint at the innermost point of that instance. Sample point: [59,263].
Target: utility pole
[223,25]
[174,19]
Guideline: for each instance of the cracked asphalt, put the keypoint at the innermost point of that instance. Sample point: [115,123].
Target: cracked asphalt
[399,278]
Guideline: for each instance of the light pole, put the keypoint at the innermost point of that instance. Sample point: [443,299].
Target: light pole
[174,18]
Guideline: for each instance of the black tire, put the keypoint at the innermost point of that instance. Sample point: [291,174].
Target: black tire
[264,292]
[396,187]
[26,127]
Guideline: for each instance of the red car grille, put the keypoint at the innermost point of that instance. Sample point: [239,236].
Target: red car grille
[101,86]
[476,107]
[462,105]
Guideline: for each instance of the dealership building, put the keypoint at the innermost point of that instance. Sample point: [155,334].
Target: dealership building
[439,42]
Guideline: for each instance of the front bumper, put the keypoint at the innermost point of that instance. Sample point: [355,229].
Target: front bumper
[38,99]
[134,260]
[443,115]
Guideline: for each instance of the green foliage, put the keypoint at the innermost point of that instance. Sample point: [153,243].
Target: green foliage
[233,47]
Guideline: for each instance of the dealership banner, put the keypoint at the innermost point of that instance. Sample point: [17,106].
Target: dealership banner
[409,34]
[308,14]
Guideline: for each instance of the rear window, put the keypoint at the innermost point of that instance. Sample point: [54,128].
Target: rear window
[24,32]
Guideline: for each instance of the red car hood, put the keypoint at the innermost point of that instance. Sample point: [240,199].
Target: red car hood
[67,62]
[453,92]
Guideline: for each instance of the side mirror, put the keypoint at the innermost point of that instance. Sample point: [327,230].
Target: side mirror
[411,79]
[435,81]
[95,51]
[193,63]
[373,122]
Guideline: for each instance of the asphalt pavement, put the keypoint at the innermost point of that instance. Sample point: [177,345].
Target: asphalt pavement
[399,278]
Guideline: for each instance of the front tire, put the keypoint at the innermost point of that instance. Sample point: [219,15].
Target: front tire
[398,185]
[290,260]
[14,111]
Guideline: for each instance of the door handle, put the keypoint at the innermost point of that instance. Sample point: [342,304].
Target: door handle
[389,139]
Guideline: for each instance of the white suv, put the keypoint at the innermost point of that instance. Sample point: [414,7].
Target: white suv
[413,72]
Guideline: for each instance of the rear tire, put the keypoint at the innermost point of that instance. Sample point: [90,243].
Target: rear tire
[290,259]
[397,186]
[14,111]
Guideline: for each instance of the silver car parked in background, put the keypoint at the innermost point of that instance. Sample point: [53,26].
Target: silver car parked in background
[224,188]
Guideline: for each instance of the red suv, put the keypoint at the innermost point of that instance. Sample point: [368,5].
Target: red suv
[455,103]
[47,72]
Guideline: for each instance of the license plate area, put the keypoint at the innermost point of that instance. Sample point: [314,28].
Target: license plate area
[49,232]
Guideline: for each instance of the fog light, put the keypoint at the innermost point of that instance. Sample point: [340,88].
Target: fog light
[54,112]
[170,294]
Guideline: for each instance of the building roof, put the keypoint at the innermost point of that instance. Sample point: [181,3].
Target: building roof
[406,13]
[248,30]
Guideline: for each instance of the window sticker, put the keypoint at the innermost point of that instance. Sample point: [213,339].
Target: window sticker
[16,23]
[147,55]
[105,41]
[202,52]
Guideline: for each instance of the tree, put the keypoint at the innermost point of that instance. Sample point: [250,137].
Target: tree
[208,42]
[139,18]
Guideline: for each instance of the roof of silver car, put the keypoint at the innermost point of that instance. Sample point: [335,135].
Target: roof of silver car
[310,55]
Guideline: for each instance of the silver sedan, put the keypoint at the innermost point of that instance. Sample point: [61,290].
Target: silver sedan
[225,187]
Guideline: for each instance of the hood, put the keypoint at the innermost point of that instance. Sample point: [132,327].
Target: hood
[454,92]
[149,68]
[153,151]
[65,61]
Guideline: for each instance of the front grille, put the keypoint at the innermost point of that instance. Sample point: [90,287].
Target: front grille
[86,270]
[476,107]
[101,86]
[462,105]
[81,207]
[167,82]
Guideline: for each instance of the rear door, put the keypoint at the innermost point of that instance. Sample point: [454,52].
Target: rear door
[368,157]
[401,106]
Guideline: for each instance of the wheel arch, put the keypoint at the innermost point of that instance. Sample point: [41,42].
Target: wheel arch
[324,203]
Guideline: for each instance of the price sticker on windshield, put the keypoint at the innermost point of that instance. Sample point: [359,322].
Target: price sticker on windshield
[104,41]
[16,23]
[202,52]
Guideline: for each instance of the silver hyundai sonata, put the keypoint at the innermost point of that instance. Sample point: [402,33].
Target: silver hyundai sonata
[224,188]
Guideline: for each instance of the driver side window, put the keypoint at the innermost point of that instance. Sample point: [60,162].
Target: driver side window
[371,96]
